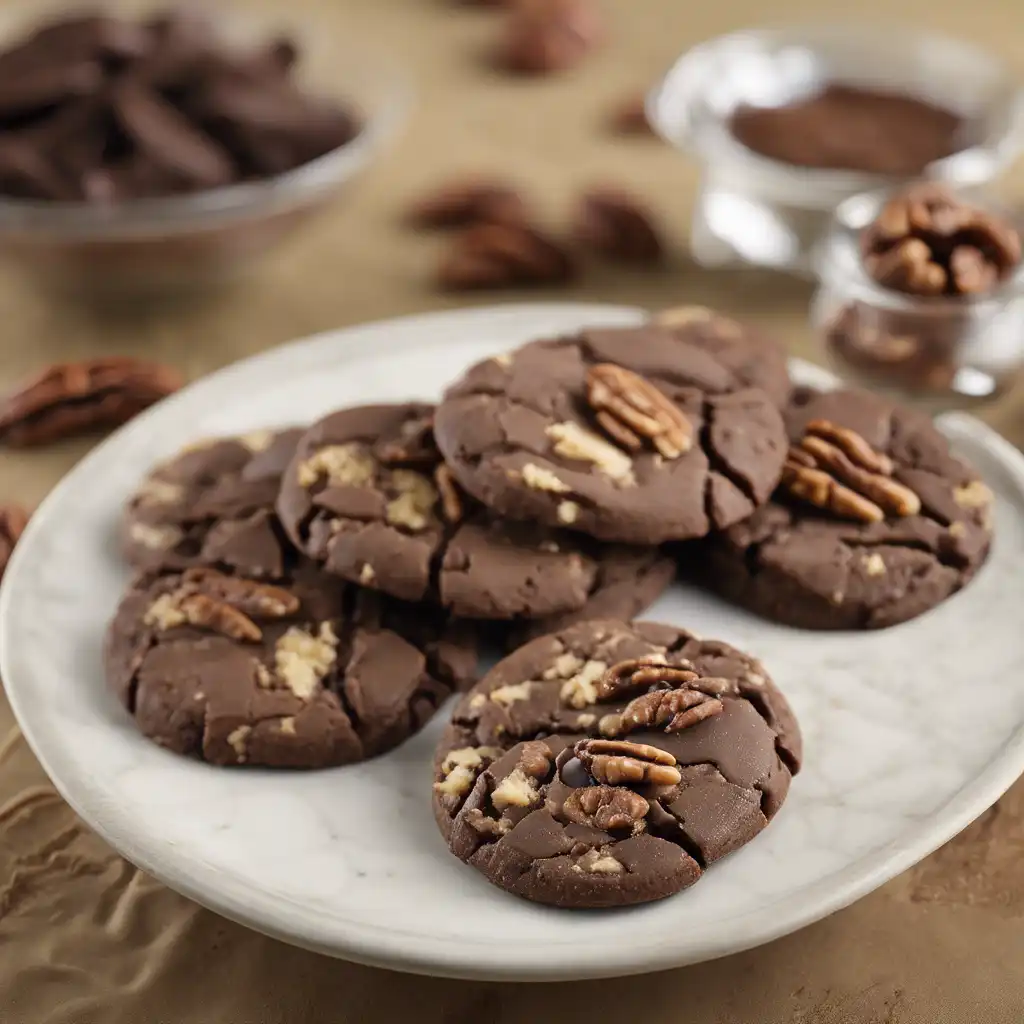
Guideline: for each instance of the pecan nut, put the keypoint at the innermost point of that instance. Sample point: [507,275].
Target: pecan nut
[72,398]
[13,520]
[218,617]
[617,226]
[471,201]
[640,673]
[674,709]
[540,36]
[618,762]
[448,490]
[835,469]
[608,808]
[632,410]
[504,256]
[261,600]
[927,241]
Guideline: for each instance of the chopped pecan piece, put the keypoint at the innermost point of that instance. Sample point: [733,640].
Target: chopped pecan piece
[448,489]
[835,469]
[71,398]
[617,763]
[470,201]
[13,520]
[641,673]
[548,35]
[504,256]
[632,410]
[608,808]
[928,241]
[619,227]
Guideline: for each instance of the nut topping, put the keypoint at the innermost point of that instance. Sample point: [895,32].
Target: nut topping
[927,241]
[219,617]
[632,410]
[617,763]
[640,673]
[259,599]
[572,441]
[469,201]
[608,808]
[836,470]
[451,500]
[674,709]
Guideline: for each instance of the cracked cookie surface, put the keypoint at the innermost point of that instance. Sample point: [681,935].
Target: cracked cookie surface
[860,549]
[635,435]
[305,672]
[196,507]
[611,763]
[368,497]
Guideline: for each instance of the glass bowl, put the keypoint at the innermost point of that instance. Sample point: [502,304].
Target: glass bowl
[942,353]
[755,210]
[150,247]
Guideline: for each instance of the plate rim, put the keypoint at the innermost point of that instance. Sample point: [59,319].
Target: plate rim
[455,958]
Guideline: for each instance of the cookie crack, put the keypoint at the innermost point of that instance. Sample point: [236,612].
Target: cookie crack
[718,465]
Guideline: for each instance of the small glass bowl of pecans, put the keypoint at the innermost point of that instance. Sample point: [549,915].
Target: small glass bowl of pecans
[164,149]
[921,295]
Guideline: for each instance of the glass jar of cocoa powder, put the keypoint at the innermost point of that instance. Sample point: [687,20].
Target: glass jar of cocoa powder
[930,311]
[788,122]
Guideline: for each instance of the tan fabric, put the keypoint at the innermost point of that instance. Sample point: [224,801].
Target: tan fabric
[85,939]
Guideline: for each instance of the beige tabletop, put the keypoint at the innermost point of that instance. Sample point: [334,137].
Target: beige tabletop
[87,939]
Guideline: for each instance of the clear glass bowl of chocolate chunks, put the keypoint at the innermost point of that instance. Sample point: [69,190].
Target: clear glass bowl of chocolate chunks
[788,122]
[155,152]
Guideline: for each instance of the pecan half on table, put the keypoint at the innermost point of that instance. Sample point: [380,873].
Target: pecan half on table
[619,227]
[548,35]
[468,201]
[927,241]
[504,256]
[68,399]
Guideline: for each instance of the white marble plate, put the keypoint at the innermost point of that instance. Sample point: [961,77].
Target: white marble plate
[910,732]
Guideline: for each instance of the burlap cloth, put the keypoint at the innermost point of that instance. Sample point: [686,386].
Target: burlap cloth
[87,939]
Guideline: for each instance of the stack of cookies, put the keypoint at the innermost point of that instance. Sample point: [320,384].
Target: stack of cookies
[309,597]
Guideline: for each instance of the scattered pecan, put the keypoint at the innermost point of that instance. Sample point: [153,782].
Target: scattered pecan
[619,227]
[835,469]
[503,256]
[630,117]
[258,599]
[70,398]
[13,520]
[674,709]
[632,410]
[219,617]
[617,762]
[470,201]
[640,673]
[448,489]
[540,36]
[927,241]
[606,807]
[535,759]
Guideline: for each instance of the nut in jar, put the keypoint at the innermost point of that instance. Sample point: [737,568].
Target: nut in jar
[920,295]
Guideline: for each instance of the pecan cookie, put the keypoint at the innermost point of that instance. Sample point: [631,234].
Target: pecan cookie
[610,764]
[637,435]
[874,523]
[368,497]
[304,672]
[203,505]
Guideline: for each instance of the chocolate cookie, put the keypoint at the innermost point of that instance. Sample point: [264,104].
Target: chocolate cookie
[629,580]
[197,507]
[874,523]
[368,497]
[756,359]
[610,764]
[630,434]
[306,672]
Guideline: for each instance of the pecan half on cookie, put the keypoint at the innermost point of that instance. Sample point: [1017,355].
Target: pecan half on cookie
[610,764]
[875,521]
